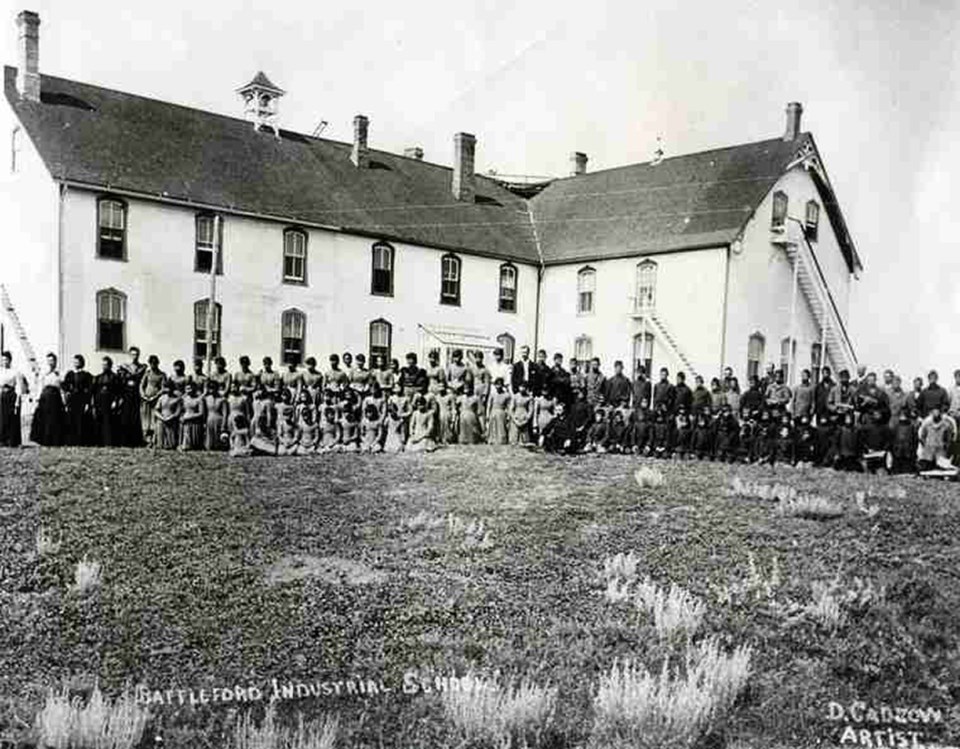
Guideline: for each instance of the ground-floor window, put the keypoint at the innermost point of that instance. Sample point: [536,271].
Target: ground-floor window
[755,348]
[111,320]
[200,337]
[583,349]
[507,343]
[293,333]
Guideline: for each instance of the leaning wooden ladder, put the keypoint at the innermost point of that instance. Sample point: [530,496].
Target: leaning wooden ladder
[19,331]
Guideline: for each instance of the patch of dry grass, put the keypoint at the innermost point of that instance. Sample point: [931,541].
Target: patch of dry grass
[488,715]
[672,709]
[87,575]
[268,734]
[66,723]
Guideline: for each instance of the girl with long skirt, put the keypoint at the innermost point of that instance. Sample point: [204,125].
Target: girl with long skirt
[499,403]
[545,409]
[239,434]
[151,385]
[394,427]
[521,416]
[221,376]
[106,404]
[288,435]
[237,403]
[48,427]
[215,435]
[169,407]
[130,375]
[329,430]
[192,419]
[447,415]
[468,431]
[422,428]
[309,432]
[264,439]
[370,430]
[77,388]
[349,432]
[12,387]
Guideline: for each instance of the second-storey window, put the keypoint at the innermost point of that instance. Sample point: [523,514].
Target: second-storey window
[381,280]
[294,256]
[812,223]
[111,228]
[780,204]
[508,288]
[209,243]
[586,286]
[450,280]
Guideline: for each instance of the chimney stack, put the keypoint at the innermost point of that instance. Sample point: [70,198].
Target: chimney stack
[794,112]
[414,152]
[578,163]
[359,155]
[28,72]
[464,181]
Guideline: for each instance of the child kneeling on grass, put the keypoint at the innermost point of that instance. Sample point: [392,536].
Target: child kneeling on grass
[422,427]
[239,435]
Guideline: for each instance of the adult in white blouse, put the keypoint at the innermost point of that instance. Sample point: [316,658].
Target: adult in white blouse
[13,386]
[499,368]
[48,426]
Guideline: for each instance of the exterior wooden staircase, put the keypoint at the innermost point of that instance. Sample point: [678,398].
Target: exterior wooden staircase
[19,331]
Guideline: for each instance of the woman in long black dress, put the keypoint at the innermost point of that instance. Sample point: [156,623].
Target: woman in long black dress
[12,387]
[77,387]
[106,402]
[130,374]
[48,426]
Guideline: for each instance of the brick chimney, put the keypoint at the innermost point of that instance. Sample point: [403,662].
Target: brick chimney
[359,155]
[414,152]
[794,112]
[578,163]
[464,180]
[28,72]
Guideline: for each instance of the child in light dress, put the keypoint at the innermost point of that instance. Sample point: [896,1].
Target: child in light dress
[394,428]
[422,428]
[370,429]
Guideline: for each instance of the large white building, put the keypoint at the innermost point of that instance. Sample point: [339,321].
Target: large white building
[733,257]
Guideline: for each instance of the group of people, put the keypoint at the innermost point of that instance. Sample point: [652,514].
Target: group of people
[851,423]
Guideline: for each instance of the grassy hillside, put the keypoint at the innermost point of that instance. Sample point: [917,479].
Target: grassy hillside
[220,573]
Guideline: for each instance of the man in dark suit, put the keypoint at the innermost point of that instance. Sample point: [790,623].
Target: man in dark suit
[522,370]
[559,381]
[539,373]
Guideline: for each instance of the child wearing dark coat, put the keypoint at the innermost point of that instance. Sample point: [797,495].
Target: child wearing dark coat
[904,442]
[640,430]
[827,447]
[848,444]
[727,432]
[683,440]
[764,439]
[661,436]
[805,442]
[703,436]
[783,445]
[616,433]
[875,441]
[597,436]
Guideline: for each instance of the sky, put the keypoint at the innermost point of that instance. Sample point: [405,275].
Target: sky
[534,81]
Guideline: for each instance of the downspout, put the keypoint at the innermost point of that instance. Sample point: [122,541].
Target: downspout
[723,316]
[540,270]
[61,220]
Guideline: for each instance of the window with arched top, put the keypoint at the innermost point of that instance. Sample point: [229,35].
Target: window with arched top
[788,348]
[381,279]
[293,336]
[450,280]
[812,220]
[646,285]
[586,287]
[755,348]
[508,343]
[508,288]
[111,228]
[201,335]
[642,353]
[294,256]
[816,360]
[780,205]
[381,340]
[583,349]
[209,243]
[111,320]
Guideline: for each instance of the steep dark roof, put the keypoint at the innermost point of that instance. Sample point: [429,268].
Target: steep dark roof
[118,141]
[685,202]
[260,80]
